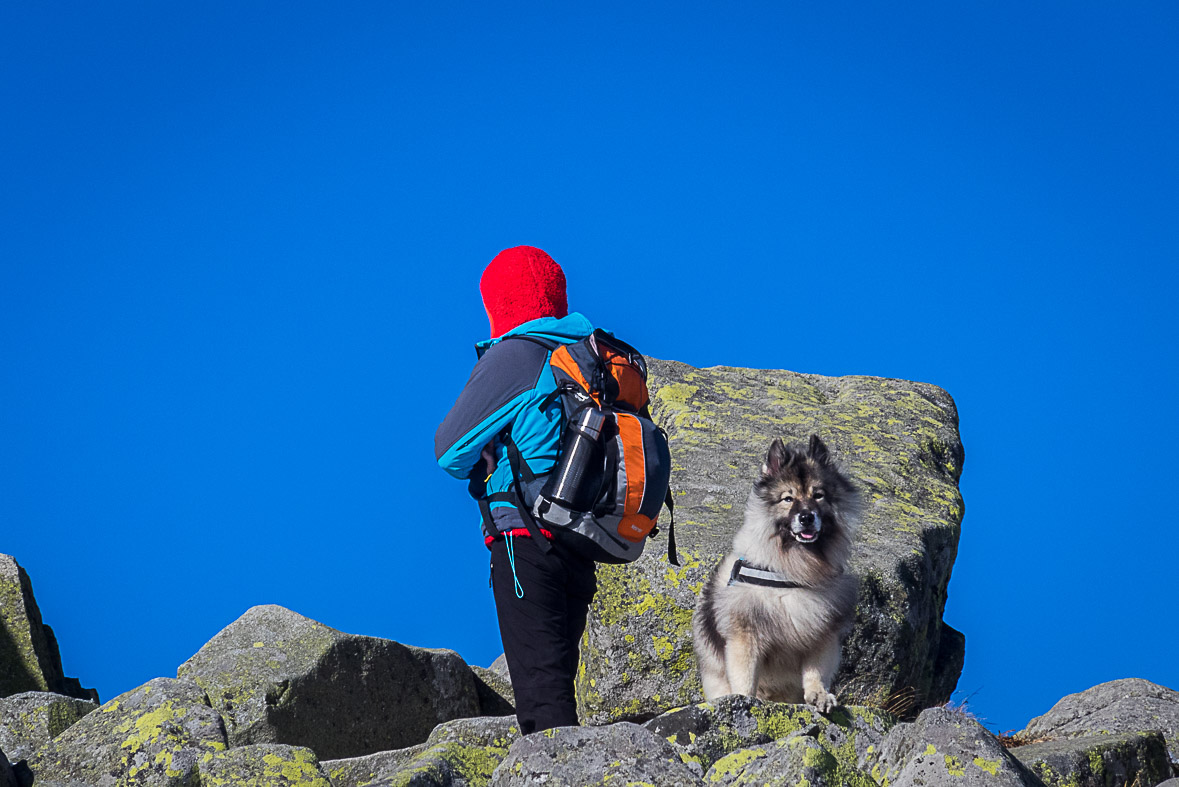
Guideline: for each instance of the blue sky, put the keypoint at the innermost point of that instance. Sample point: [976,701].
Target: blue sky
[240,247]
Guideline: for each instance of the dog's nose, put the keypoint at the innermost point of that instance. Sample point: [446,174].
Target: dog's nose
[806,518]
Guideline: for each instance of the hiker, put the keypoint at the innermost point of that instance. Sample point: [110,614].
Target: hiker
[541,597]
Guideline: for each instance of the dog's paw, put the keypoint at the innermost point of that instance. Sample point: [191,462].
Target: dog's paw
[823,701]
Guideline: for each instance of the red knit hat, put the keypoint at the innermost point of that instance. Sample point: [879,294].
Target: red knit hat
[522,284]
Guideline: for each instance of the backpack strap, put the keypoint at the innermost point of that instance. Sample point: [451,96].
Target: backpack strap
[673,556]
[520,469]
[485,508]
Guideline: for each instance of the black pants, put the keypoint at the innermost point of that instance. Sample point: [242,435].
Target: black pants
[541,631]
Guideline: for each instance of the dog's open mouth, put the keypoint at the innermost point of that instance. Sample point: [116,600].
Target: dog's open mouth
[806,536]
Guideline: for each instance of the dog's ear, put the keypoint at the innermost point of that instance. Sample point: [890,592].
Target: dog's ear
[818,450]
[776,458]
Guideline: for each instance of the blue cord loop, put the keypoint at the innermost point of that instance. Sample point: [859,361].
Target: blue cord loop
[512,563]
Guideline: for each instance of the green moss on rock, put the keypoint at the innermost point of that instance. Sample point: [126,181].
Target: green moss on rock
[29,656]
[460,752]
[31,719]
[1129,705]
[152,735]
[361,771]
[616,754]
[706,733]
[262,765]
[946,747]
[1099,760]
[797,760]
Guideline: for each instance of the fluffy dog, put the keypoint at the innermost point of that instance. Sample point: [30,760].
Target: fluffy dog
[773,614]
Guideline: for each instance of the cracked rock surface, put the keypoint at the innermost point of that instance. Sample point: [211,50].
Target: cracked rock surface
[279,677]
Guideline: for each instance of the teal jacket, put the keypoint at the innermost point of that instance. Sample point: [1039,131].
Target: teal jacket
[509,381]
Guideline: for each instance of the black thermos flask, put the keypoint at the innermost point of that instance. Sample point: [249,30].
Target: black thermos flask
[578,477]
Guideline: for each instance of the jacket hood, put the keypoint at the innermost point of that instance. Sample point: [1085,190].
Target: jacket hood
[569,328]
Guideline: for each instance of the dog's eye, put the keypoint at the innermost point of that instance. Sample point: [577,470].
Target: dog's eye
[787,499]
[818,495]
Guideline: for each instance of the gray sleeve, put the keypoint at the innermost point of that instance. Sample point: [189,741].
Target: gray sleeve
[488,402]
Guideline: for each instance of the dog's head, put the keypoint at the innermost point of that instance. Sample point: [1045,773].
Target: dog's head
[803,492]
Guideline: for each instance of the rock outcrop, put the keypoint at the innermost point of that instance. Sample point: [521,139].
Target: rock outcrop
[786,763]
[708,734]
[460,753]
[262,765]
[276,674]
[30,659]
[31,719]
[157,734]
[1099,761]
[1119,706]
[899,441]
[946,747]
[622,753]
[278,677]
[496,697]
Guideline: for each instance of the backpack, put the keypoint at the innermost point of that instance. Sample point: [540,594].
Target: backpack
[612,476]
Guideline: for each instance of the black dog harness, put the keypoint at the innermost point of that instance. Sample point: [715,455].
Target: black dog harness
[745,573]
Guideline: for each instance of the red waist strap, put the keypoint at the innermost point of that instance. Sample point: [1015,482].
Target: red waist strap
[516,533]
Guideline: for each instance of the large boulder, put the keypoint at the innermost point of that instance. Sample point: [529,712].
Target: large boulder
[707,733]
[898,440]
[947,747]
[154,735]
[263,765]
[1135,758]
[1129,705]
[31,719]
[30,659]
[376,768]
[622,753]
[460,753]
[279,677]
[798,759]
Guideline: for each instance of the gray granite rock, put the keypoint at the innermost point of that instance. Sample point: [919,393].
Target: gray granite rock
[460,753]
[899,440]
[500,667]
[30,659]
[154,735]
[622,753]
[706,733]
[376,768]
[945,747]
[792,761]
[1136,758]
[31,719]
[279,677]
[1129,705]
[262,765]
[496,697]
